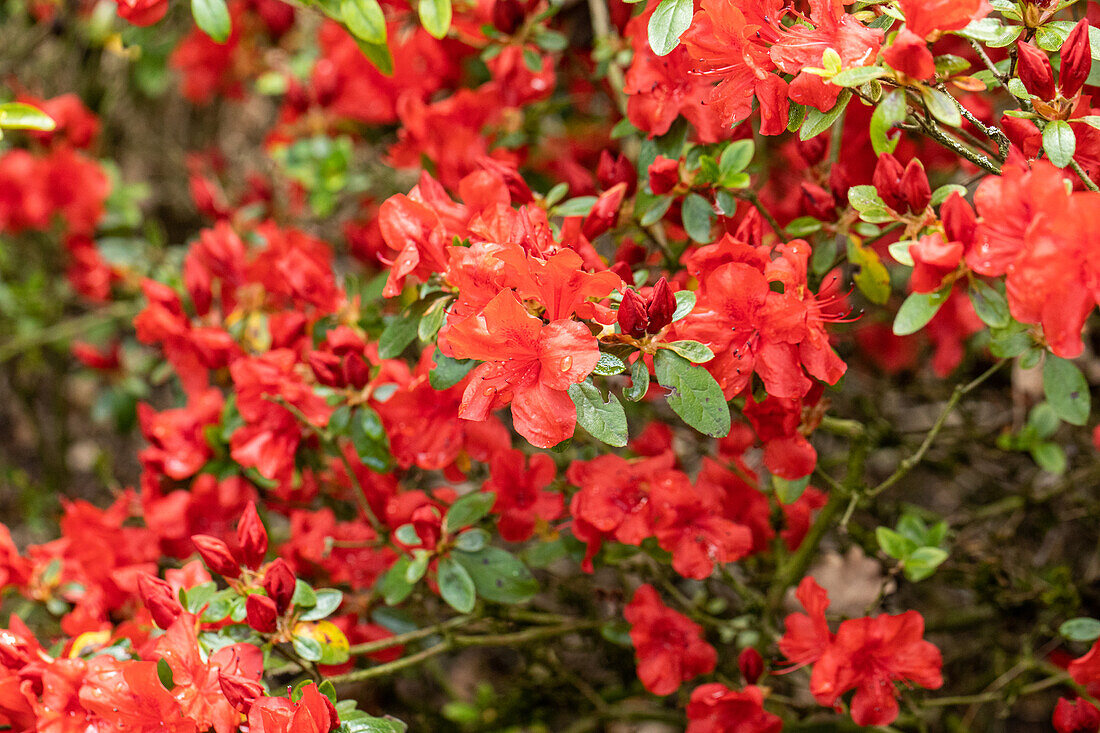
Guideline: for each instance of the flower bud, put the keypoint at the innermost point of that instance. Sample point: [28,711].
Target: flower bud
[251,537]
[239,691]
[1076,60]
[216,555]
[605,211]
[751,665]
[428,525]
[664,175]
[261,613]
[662,304]
[914,184]
[1034,69]
[887,181]
[632,316]
[356,371]
[817,202]
[507,16]
[958,219]
[614,169]
[279,583]
[326,367]
[158,597]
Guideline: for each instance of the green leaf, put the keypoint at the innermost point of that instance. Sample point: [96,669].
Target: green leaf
[989,304]
[693,394]
[498,575]
[693,351]
[900,252]
[894,544]
[1067,390]
[368,437]
[1059,142]
[472,540]
[579,206]
[803,226]
[368,724]
[668,23]
[212,16]
[304,596]
[435,16]
[307,648]
[378,54]
[456,586]
[639,381]
[328,600]
[858,76]
[788,491]
[365,19]
[164,674]
[818,122]
[19,116]
[917,310]
[863,198]
[942,106]
[1050,457]
[736,157]
[685,303]
[418,566]
[603,419]
[940,194]
[1080,629]
[922,562]
[1043,420]
[432,320]
[448,371]
[406,534]
[468,510]
[609,365]
[399,333]
[698,215]
[392,585]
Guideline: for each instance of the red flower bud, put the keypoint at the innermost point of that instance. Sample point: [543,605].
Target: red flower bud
[958,220]
[914,184]
[614,169]
[1034,69]
[326,367]
[632,317]
[251,537]
[261,613]
[356,371]
[662,304]
[909,54]
[428,525]
[1076,60]
[216,555]
[507,16]
[751,665]
[817,202]
[887,181]
[605,211]
[239,691]
[279,583]
[158,597]
[664,175]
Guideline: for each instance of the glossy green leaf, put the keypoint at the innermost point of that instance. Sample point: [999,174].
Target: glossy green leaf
[639,378]
[1066,390]
[603,419]
[917,310]
[468,510]
[668,23]
[365,19]
[498,575]
[456,586]
[693,394]
[435,16]
[212,16]
[1059,142]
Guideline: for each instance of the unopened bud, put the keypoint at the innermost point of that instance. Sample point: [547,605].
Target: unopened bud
[914,184]
[507,16]
[251,537]
[662,304]
[158,597]
[1034,69]
[958,219]
[1076,60]
[614,169]
[261,613]
[887,181]
[751,665]
[279,583]
[216,555]
[664,175]
[604,212]
[632,317]
[326,367]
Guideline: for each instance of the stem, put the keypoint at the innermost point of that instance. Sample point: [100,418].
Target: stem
[376,646]
[932,130]
[909,463]
[1089,183]
[752,198]
[66,330]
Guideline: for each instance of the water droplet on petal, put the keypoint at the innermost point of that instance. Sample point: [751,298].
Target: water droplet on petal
[566,363]
[489,391]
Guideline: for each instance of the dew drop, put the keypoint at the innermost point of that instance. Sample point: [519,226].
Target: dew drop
[489,391]
[566,363]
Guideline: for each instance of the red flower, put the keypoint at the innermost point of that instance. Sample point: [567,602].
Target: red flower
[313,713]
[923,17]
[807,636]
[669,646]
[909,54]
[1076,716]
[521,501]
[528,364]
[714,708]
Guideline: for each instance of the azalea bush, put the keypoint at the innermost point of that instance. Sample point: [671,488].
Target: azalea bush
[534,365]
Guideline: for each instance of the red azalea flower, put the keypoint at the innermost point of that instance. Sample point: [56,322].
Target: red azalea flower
[520,499]
[669,646]
[528,364]
[714,708]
